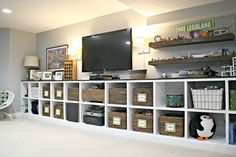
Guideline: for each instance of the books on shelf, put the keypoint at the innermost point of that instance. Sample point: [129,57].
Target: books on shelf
[232,99]
[231,133]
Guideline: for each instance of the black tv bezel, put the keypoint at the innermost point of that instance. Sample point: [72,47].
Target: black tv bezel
[131,51]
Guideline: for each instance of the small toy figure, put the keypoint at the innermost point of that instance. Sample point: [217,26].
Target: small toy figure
[208,71]
[157,38]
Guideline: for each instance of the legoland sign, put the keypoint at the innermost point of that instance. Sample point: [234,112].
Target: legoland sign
[196,26]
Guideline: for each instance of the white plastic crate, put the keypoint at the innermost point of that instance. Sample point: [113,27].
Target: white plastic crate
[210,99]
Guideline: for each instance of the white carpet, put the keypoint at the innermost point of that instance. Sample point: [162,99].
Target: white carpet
[25,137]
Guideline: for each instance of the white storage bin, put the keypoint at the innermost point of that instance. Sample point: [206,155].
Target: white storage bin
[34,92]
[210,99]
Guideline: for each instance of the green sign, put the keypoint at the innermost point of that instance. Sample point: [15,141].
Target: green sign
[196,26]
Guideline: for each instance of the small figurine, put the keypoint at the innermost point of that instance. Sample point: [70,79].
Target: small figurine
[225,52]
[157,38]
[163,74]
[209,71]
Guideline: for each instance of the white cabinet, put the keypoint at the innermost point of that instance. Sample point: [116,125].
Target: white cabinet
[33,91]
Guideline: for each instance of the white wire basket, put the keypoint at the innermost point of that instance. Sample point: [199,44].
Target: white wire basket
[209,99]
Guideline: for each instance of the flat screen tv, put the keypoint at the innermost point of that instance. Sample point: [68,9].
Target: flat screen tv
[111,51]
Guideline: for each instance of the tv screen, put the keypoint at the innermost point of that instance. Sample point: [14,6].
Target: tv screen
[109,51]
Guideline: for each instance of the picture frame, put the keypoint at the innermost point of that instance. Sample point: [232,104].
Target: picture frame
[47,75]
[56,56]
[59,75]
[38,75]
[32,72]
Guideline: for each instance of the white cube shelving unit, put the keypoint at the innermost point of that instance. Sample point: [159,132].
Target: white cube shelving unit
[161,87]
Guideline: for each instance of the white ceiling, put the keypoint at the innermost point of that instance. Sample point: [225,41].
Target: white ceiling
[42,15]
[155,7]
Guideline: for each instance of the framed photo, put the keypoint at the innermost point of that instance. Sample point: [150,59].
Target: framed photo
[59,75]
[38,75]
[47,75]
[56,57]
[32,72]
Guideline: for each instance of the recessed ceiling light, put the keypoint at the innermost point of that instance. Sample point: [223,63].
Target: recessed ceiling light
[7,11]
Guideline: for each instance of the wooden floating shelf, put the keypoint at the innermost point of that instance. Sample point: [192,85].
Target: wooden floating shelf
[192,60]
[219,38]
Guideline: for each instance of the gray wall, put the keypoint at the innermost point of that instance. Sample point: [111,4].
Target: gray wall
[4,58]
[14,46]
[169,30]
[67,34]
[73,33]
[21,44]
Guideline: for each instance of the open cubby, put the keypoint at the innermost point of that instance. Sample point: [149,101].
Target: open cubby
[72,90]
[58,110]
[203,85]
[33,106]
[92,120]
[220,134]
[45,88]
[232,129]
[117,93]
[141,94]
[24,105]
[46,109]
[117,117]
[232,96]
[72,112]
[34,90]
[167,88]
[173,121]
[141,122]
[57,91]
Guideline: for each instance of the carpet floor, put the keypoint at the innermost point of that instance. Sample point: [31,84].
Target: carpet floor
[26,137]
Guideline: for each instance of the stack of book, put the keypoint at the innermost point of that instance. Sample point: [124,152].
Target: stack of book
[232,131]
[232,99]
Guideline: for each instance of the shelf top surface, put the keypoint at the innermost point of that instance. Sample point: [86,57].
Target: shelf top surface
[192,60]
[191,41]
[138,80]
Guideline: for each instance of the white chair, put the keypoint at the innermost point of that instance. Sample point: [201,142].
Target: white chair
[6,98]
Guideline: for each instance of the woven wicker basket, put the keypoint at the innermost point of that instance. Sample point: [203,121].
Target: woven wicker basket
[171,125]
[73,94]
[46,109]
[94,95]
[117,120]
[58,111]
[46,92]
[118,96]
[58,93]
[143,96]
[143,123]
